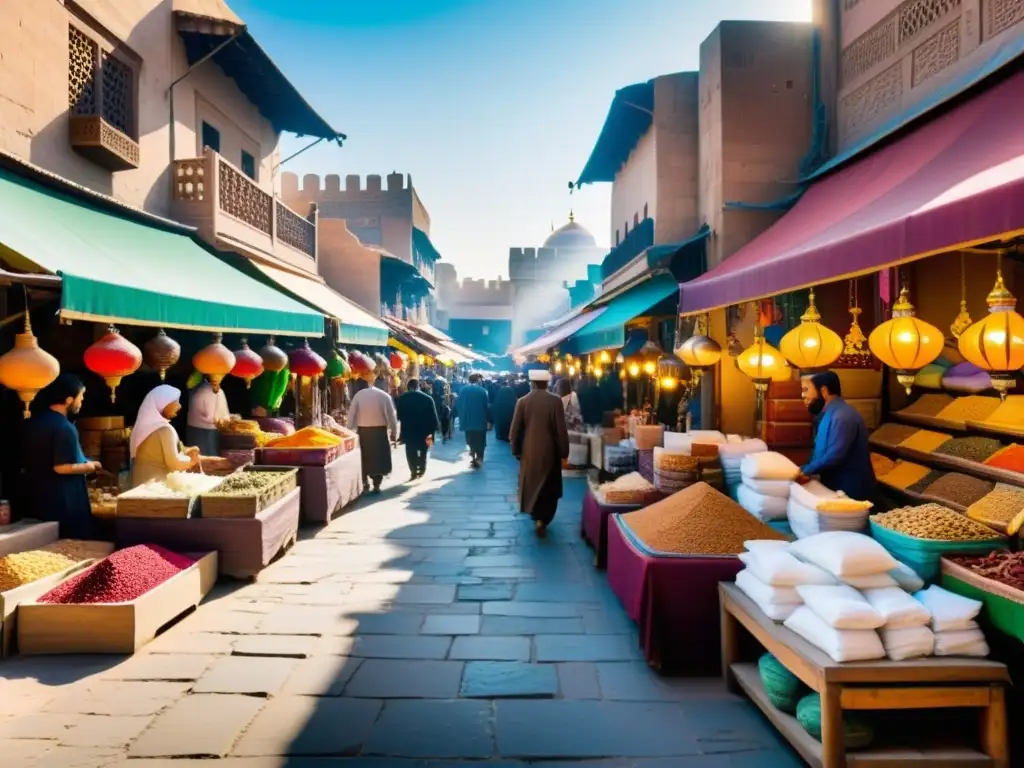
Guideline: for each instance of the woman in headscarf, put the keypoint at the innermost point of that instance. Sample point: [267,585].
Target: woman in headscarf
[155,448]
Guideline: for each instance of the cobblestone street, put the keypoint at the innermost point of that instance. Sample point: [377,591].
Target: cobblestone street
[425,627]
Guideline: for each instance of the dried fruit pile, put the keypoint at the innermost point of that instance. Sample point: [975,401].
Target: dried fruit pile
[1002,566]
[697,521]
[123,576]
[934,522]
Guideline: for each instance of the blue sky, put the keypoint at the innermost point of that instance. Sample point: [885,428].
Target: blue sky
[491,105]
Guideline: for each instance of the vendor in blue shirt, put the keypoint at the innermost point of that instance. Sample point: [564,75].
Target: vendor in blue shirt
[55,466]
[842,457]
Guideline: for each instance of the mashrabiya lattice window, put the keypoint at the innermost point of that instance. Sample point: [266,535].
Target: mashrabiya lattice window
[99,83]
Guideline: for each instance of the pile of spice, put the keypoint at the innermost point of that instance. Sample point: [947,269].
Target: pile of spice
[1002,566]
[79,549]
[123,576]
[633,488]
[307,437]
[1009,415]
[925,481]
[959,488]
[1010,458]
[934,522]
[970,448]
[881,464]
[697,521]
[928,405]
[20,568]
[1002,509]
[904,475]
[969,408]
[892,434]
[248,483]
[925,441]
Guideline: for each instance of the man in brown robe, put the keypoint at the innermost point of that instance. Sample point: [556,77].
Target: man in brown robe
[541,442]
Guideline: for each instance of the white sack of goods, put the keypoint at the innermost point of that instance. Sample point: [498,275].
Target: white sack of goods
[764,508]
[778,568]
[898,608]
[682,441]
[907,642]
[629,489]
[961,642]
[813,509]
[844,554]
[777,603]
[839,644]
[731,456]
[949,611]
[840,606]
[768,466]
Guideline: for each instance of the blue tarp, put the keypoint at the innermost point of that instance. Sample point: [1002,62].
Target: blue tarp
[608,331]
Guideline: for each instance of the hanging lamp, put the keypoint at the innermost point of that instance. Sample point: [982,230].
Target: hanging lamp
[248,365]
[27,368]
[996,342]
[962,321]
[113,357]
[905,343]
[161,352]
[762,362]
[811,345]
[215,361]
[305,362]
[274,358]
[699,352]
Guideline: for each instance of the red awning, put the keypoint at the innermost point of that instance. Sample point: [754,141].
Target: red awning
[954,182]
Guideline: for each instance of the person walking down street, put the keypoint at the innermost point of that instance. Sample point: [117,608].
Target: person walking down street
[540,441]
[474,411]
[372,415]
[504,407]
[418,417]
[441,393]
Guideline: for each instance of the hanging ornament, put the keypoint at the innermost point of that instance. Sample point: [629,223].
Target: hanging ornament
[27,368]
[396,361]
[670,371]
[274,358]
[962,321]
[336,367]
[854,342]
[699,352]
[161,352]
[215,361]
[762,362]
[248,365]
[811,345]
[905,343]
[305,362]
[604,358]
[648,356]
[360,364]
[996,342]
[113,357]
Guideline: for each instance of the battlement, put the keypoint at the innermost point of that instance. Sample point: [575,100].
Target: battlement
[453,292]
[330,187]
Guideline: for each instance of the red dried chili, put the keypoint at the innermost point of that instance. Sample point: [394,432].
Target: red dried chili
[120,577]
[1011,458]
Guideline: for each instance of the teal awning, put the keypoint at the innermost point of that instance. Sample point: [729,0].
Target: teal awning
[422,244]
[686,260]
[116,267]
[608,331]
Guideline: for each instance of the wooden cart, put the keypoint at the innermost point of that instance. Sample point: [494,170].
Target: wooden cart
[931,683]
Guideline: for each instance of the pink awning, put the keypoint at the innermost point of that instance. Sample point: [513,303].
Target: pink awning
[954,182]
[557,335]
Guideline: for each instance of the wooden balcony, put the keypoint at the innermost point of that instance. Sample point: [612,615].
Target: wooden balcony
[232,212]
[93,137]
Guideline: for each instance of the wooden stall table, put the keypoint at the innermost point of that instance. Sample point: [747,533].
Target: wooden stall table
[245,545]
[928,683]
[327,490]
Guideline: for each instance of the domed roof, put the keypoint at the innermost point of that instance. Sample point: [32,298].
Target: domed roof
[571,235]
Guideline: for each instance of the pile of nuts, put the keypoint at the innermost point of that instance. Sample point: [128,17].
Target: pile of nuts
[120,578]
[934,522]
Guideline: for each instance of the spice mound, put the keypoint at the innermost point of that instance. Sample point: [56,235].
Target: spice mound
[20,568]
[628,489]
[881,464]
[928,405]
[969,408]
[892,434]
[1009,414]
[904,475]
[925,441]
[970,448]
[1002,566]
[123,576]
[248,483]
[79,549]
[934,522]
[959,488]
[307,437]
[1010,458]
[1003,509]
[697,521]
[925,481]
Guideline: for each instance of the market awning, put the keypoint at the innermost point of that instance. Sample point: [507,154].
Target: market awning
[209,27]
[609,330]
[355,324]
[557,335]
[422,244]
[953,183]
[629,117]
[116,268]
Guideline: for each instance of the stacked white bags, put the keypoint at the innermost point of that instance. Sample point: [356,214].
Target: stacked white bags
[765,479]
[731,454]
[772,576]
[813,508]
[953,622]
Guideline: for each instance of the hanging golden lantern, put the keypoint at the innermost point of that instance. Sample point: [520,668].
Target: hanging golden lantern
[27,368]
[905,343]
[161,352]
[996,342]
[113,357]
[634,369]
[699,352]
[216,361]
[571,370]
[762,362]
[604,357]
[811,345]
[598,371]
[670,372]
[558,366]
[962,321]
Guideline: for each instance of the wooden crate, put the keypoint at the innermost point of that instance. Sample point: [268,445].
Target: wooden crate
[10,599]
[300,457]
[25,535]
[160,508]
[223,506]
[49,628]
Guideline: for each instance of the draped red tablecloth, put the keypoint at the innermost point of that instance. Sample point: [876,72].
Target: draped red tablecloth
[594,523]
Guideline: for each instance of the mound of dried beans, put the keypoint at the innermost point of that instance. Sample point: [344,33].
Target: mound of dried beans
[1002,566]
[123,576]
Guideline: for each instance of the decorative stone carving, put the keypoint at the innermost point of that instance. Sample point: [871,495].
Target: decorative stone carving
[118,91]
[871,102]
[917,15]
[294,230]
[81,73]
[1000,15]
[190,180]
[870,49]
[936,53]
[241,198]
